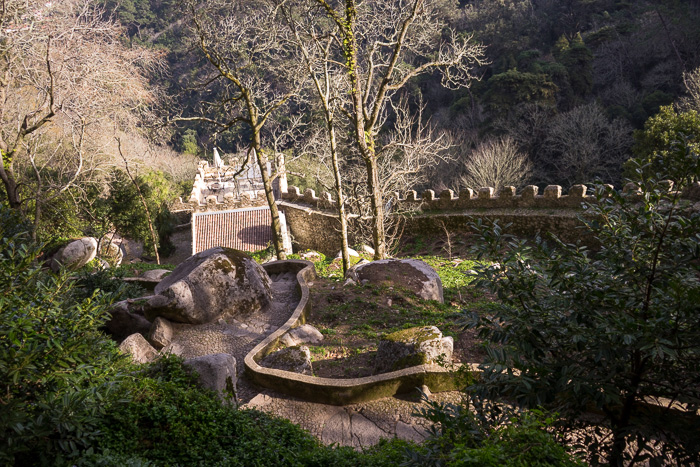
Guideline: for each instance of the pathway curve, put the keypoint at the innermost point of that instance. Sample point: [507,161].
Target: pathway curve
[358,425]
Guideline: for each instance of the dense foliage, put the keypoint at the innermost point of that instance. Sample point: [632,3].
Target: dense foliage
[613,331]
[56,366]
[70,398]
[480,434]
[123,208]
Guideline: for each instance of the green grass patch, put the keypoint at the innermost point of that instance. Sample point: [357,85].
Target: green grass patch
[136,269]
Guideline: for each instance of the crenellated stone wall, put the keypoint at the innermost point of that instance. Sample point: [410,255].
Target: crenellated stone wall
[216,189]
[313,222]
[314,225]
[214,203]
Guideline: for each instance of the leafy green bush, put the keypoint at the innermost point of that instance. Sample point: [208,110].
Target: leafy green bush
[56,368]
[659,134]
[615,330]
[125,210]
[89,281]
[489,435]
[160,417]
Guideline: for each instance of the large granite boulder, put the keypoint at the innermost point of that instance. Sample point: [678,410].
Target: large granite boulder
[412,274]
[216,372]
[210,284]
[125,320]
[133,249]
[138,348]
[411,347]
[75,255]
[296,359]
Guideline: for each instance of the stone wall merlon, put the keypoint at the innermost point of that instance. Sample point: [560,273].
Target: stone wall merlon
[486,197]
[483,198]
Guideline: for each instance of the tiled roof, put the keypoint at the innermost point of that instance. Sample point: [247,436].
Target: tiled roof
[243,229]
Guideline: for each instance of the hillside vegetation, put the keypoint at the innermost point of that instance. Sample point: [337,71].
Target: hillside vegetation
[106,107]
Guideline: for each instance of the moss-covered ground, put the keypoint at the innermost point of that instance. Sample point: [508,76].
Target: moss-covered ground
[353,318]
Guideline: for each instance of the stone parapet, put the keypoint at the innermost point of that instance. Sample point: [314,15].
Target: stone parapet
[213,203]
[552,197]
[313,221]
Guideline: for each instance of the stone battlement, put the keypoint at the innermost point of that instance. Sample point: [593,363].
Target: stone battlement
[226,202]
[484,198]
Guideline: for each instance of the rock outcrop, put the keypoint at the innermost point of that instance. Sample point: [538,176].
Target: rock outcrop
[161,333]
[304,334]
[154,275]
[125,322]
[216,372]
[75,255]
[296,359]
[414,346]
[139,349]
[219,281]
[411,274]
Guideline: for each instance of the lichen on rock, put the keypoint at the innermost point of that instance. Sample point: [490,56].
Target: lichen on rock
[215,282]
[411,347]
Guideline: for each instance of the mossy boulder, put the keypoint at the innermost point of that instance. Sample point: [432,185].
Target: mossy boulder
[216,372]
[411,274]
[75,254]
[411,347]
[296,359]
[216,282]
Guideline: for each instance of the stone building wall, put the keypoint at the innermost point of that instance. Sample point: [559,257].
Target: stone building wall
[312,228]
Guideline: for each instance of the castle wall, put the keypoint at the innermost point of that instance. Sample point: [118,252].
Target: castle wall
[312,228]
[314,224]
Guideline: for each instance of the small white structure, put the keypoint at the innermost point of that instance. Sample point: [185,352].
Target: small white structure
[218,163]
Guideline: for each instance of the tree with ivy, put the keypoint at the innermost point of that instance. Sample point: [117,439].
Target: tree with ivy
[383,45]
[607,337]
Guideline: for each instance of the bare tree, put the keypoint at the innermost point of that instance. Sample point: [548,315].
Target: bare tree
[691,101]
[496,163]
[583,145]
[316,45]
[405,155]
[65,77]
[383,45]
[256,72]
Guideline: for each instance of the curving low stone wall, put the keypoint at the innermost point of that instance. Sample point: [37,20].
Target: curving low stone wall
[329,390]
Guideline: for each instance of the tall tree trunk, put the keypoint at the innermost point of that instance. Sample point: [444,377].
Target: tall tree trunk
[364,137]
[377,206]
[340,203]
[277,239]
